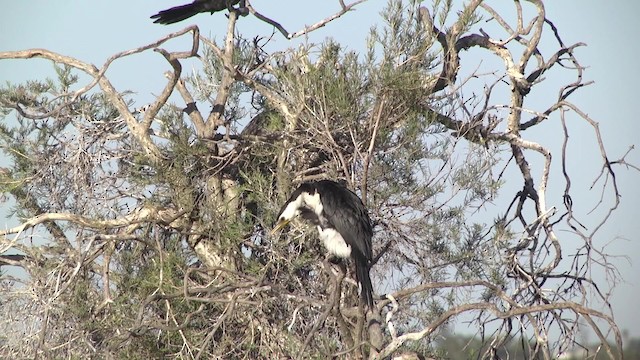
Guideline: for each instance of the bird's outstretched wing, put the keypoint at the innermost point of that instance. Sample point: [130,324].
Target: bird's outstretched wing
[182,12]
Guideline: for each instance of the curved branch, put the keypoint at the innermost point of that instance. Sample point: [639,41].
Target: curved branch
[143,215]
[514,311]
[116,99]
[344,9]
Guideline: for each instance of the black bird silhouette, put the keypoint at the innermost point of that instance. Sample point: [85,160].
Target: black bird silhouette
[179,13]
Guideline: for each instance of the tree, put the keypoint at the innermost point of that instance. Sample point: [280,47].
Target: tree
[145,232]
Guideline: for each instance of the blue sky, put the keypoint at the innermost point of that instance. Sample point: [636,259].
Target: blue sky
[93,31]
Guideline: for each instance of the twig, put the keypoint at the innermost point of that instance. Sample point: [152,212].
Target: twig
[307,29]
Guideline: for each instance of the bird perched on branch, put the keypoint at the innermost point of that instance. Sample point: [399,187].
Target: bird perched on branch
[186,11]
[343,224]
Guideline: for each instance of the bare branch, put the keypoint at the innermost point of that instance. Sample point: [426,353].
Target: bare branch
[146,214]
[307,29]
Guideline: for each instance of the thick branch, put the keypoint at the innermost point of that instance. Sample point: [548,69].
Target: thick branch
[116,99]
[146,214]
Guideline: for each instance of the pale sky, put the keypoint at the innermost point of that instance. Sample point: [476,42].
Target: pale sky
[94,30]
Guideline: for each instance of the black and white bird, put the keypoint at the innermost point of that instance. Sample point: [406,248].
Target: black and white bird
[343,224]
[182,12]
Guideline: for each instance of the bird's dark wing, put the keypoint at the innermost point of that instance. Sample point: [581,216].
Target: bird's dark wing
[182,12]
[348,215]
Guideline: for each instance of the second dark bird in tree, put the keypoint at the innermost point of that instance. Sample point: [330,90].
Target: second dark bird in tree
[182,12]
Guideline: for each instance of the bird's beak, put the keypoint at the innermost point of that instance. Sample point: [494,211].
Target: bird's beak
[279,225]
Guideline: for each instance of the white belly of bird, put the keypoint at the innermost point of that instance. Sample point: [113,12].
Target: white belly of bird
[334,242]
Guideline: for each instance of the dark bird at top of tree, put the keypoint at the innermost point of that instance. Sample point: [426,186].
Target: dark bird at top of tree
[182,12]
[342,221]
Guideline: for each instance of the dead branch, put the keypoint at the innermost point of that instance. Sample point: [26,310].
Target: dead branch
[344,9]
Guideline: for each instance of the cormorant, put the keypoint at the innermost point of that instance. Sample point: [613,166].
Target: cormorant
[343,224]
[179,13]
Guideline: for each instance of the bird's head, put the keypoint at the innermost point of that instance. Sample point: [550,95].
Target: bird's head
[282,222]
[304,199]
[289,211]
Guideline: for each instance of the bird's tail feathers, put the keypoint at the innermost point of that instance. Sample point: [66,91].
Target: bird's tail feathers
[364,283]
[176,14]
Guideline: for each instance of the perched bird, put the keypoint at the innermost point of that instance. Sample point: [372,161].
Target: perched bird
[342,221]
[182,12]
